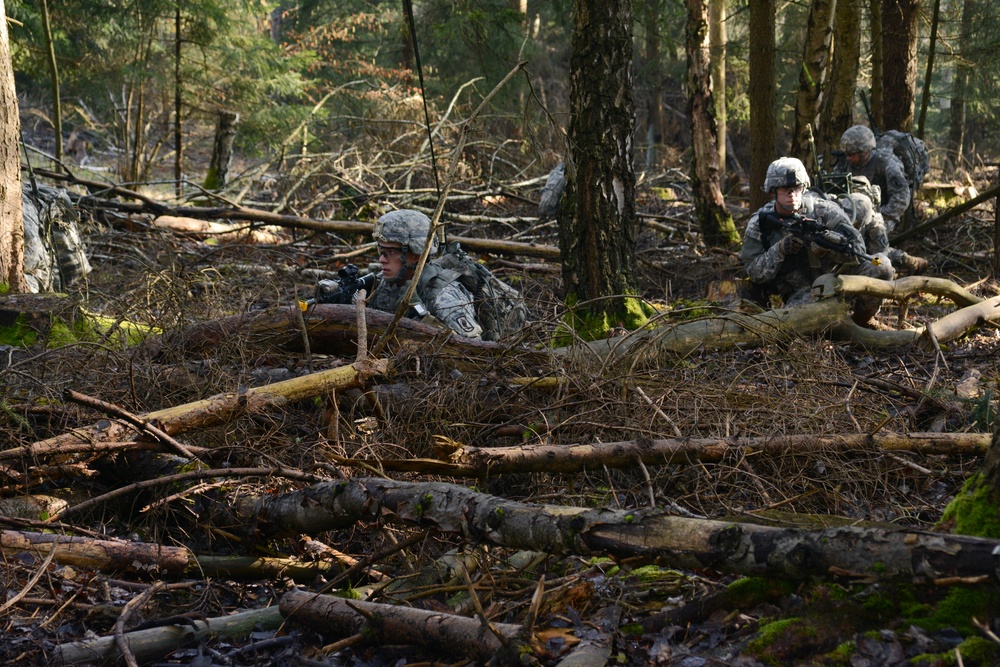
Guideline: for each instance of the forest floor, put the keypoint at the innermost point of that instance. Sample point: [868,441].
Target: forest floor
[634,612]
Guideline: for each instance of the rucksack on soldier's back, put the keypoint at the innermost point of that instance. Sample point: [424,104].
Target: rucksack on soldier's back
[911,151]
[499,307]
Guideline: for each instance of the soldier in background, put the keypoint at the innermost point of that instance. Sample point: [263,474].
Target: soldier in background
[883,169]
[783,265]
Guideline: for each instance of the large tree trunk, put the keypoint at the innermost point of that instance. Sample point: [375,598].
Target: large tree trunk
[717,226]
[762,98]
[597,227]
[812,75]
[11,220]
[838,100]
[963,67]
[900,20]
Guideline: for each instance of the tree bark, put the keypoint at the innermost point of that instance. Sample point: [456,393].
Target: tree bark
[11,217]
[104,555]
[900,20]
[812,76]
[717,226]
[867,553]
[838,99]
[386,623]
[597,228]
[178,119]
[762,98]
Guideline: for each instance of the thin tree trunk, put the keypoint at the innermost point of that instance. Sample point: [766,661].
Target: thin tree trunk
[925,96]
[178,124]
[900,20]
[222,150]
[654,115]
[838,101]
[762,98]
[11,214]
[812,75]
[717,226]
[963,67]
[54,77]
[878,62]
[717,41]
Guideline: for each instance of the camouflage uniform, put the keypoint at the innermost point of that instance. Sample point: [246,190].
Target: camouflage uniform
[54,254]
[882,168]
[791,276]
[861,212]
[439,295]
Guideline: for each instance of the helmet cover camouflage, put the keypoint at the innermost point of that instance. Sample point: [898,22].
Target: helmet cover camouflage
[785,172]
[408,228]
[857,139]
[864,186]
[858,208]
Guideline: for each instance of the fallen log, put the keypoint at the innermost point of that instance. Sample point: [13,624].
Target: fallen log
[214,410]
[155,643]
[459,460]
[498,643]
[862,553]
[114,556]
[988,194]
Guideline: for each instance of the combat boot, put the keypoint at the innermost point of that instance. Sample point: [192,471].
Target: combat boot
[911,265]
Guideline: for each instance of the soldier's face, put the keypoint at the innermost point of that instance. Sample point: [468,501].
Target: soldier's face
[857,159]
[788,199]
[391,259]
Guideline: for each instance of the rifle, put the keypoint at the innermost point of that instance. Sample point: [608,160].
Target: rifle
[813,231]
[343,291]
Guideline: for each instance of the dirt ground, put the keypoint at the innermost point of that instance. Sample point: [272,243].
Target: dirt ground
[660,615]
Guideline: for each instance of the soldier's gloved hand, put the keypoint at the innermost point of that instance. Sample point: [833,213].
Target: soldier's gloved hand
[819,250]
[789,245]
[325,289]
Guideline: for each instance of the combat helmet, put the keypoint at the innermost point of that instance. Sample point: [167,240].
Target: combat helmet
[862,185]
[785,172]
[857,139]
[407,227]
[858,208]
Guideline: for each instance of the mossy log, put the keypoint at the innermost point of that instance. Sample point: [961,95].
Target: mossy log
[458,460]
[385,623]
[863,553]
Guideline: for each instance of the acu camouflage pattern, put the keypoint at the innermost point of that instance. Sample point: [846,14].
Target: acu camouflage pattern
[499,307]
[861,211]
[885,170]
[54,254]
[439,295]
[791,276]
[406,227]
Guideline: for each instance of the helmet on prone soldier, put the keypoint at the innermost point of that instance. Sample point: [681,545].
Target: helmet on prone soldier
[785,172]
[407,227]
[857,139]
